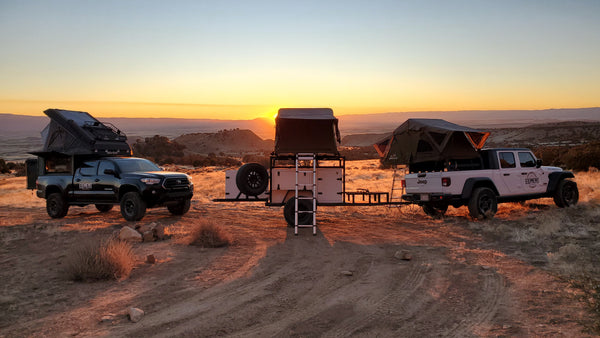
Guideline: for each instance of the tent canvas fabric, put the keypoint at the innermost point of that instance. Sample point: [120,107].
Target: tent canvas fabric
[78,133]
[306,130]
[430,140]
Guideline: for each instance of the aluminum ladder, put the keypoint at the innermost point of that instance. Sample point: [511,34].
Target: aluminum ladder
[313,189]
[395,197]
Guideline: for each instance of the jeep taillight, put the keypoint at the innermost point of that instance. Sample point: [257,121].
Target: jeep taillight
[446,181]
[403,183]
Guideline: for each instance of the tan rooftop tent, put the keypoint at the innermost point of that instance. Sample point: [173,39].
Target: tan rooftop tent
[430,140]
[306,130]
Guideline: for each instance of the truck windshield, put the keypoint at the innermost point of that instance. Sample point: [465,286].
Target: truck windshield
[129,165]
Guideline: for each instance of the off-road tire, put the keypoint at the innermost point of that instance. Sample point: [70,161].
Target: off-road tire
[566,194]
[56,205]
[483,204]
[304,218]
[104,207]
[180,208]
[435,210]
[252,179]
[133,207]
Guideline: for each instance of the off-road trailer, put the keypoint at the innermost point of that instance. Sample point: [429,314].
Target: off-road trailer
[305,171]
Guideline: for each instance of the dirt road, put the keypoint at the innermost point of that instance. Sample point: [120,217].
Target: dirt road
[368,272]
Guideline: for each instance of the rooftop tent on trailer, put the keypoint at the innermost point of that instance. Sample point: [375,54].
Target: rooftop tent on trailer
[306,130]
[430,140]
[78,133]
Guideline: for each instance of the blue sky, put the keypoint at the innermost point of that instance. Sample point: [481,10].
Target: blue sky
[224,59]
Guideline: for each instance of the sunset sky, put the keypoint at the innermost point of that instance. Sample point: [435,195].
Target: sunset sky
[245,59]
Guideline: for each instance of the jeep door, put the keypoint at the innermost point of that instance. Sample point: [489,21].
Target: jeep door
[83,182]
[534,180]
[509,174]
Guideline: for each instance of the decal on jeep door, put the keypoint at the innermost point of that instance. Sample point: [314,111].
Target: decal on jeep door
[532,180]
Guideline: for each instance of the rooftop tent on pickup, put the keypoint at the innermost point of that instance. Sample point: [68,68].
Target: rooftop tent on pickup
[430,140]
[78,133]
[306,130]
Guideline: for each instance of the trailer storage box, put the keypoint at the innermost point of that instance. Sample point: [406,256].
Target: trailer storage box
[306,130]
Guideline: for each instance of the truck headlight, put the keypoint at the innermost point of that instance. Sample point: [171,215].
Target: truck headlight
[150,181]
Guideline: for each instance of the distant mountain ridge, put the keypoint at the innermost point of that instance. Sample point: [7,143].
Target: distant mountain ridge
[231,142]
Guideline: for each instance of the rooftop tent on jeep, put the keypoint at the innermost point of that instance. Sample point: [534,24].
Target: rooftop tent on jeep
[306,130]
[78,133]
[430,140]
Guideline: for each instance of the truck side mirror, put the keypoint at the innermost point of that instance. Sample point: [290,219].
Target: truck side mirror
[538,163]
[110,172]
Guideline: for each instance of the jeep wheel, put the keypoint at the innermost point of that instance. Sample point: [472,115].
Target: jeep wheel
[104,207]
[252,179]
[435,210]
[56,206]
[133,207]
[179,208]
[304,218]
[566,194]
[483,204]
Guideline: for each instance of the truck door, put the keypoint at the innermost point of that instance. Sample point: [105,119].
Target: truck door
[510,174]
[534,180]
[83,182]
[106,185]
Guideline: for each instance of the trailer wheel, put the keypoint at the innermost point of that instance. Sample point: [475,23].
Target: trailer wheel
[56,205]
[483,204]
[566,194]
[179,208]
[435,210]
[133,207]
[304,218]
[252,179]
[104,207]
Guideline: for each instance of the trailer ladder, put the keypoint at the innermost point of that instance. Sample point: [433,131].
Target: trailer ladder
[396,187]
[313,189]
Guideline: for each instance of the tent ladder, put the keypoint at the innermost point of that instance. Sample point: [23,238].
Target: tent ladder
[313,189]
[397,188]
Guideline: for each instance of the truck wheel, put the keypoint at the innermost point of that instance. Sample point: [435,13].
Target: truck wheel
[304,218]
[483,204]
[179,208]
[566,194]
[133,207]
[56,206]
[435,210]
[104,207]
[252,179]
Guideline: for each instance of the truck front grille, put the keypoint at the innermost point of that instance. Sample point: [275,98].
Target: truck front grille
[176,183]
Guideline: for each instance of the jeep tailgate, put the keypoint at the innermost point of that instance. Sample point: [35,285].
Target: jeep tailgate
[424,183]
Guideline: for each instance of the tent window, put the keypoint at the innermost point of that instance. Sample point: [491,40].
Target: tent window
[424,146]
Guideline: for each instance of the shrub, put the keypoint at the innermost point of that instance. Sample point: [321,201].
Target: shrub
[590,296]
[3,167]
[99,260]
[208,235]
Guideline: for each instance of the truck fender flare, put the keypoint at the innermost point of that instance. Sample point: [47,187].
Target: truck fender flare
[52,189]
[473,182]
[127,188]
[555,177]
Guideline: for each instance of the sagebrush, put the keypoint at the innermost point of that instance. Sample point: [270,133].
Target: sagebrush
[208,235]
[100,260]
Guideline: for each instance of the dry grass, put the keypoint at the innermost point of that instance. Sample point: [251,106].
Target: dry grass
[100,260]
[207,234]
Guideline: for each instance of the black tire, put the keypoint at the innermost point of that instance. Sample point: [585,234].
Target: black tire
[133,207]
[56,205]
[435,210]
[483,204]
[304,218]
[180,208]
[252,179]
[104,207]
[566,194]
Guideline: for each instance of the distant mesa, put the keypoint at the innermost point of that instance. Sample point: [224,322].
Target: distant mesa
[231,141]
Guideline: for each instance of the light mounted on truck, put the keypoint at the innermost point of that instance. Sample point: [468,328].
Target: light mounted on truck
[446,181]
[150,181]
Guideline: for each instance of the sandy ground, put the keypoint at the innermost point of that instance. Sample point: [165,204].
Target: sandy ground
[461,280]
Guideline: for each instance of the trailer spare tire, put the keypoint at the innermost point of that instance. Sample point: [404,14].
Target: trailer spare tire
[304,218]
[252,179]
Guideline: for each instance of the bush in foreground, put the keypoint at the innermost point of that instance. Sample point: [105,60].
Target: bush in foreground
[100,260]
[208,235]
